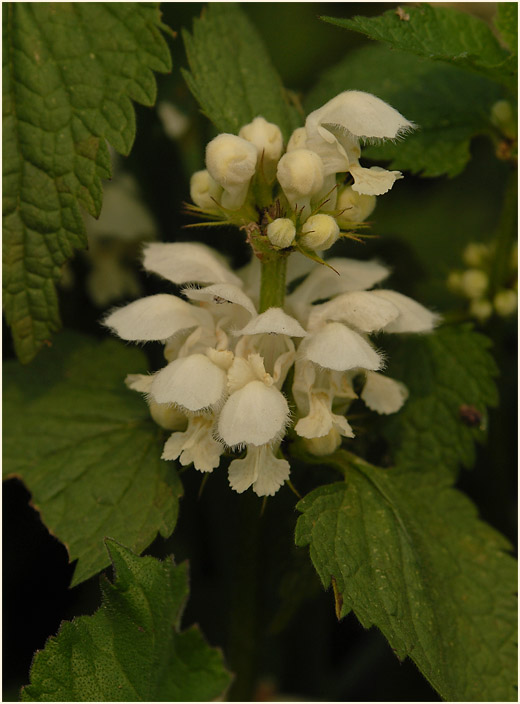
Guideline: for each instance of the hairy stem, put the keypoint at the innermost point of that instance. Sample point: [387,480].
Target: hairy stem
[272,287]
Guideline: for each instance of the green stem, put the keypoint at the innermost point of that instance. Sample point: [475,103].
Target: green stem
[272,286]
[505,236]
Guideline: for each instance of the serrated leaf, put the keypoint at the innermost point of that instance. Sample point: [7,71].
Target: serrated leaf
[87,449]
[442,34]
[506,21]
[444,372]
[231,74]
[409,555]
[131,649]
[449,105]
[70,71]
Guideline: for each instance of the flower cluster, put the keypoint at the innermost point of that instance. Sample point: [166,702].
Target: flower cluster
[473,283]
[232,338]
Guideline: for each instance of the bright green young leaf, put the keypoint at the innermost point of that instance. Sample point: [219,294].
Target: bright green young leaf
[439,33]
[506,21]
[449,105]
[408,554]
[231,74]
[447,373]
[70,71]
[131,649]
[87,450]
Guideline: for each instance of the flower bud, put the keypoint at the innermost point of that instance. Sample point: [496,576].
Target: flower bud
[505,302]
[474,283]
[300,173]
[298,139]
[167,416]
[354,207]
[231,162]
[481,309]
[268,140]
[502,116]
[320,232]
[205,191]
[325,445]
[281,232]
[475,254]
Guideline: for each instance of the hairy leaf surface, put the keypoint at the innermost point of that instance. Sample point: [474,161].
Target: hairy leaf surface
[448,104]
[70,71]
[87,449]
[231,74]
[407,553]
[131,649]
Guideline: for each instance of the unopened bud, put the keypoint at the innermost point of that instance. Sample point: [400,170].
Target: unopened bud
[167,416]
[475,254]
[205,191]
[300,173]
[354,207]
[481,309]
[502,116]
[320,232]
[231,162]
[474,283]
[298,139]
[281,232]
[505,302]
[268,140]
[325,445]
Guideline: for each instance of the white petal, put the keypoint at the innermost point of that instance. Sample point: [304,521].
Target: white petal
[255,414]
[187,262]
[152,318]
[413,317]
[196,445]
[360,309]
[259,468]
[362,114]
[374,181]
[167,416]
[337,347]
[139,382]
[221,293]
[353,275]
[273,320]
[382,394]
[192,382]
[243,371]
[320,420]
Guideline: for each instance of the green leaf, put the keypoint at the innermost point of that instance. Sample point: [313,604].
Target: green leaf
[439,33]
[131,649]
[408,554]
[231,74]
[70,73]
[87,450]
[449,105]
[506,21]
[444,372]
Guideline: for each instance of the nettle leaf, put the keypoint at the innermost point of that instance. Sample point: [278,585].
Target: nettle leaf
[407,554]
[70,73]
[87,449]
[439,33]
[231,74]
[131,649]
[450,377]
[506,21]
[449,105]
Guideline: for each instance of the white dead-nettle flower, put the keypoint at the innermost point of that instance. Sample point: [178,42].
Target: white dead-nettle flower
[231,162]
[300,174]
[205,191]
[268,140]
[353,207]
[319,231]
[334,132]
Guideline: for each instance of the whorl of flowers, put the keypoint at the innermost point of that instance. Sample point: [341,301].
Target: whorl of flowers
[229,353]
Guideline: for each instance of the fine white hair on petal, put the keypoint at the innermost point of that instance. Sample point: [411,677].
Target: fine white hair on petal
[152,318]
[374,181]
[383,394]
[255,414]
[413,317]
[362,114]
[360,309]
[193,383]
[187,262]
[274,320]
[337,347]
[221,293]
[259,469]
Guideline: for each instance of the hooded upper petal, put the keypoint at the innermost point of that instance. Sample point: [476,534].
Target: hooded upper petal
[187,262]
[193,382]
[360,309]
[222,293]
[273,320]
[413,317]
[155,318]
[337,347]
